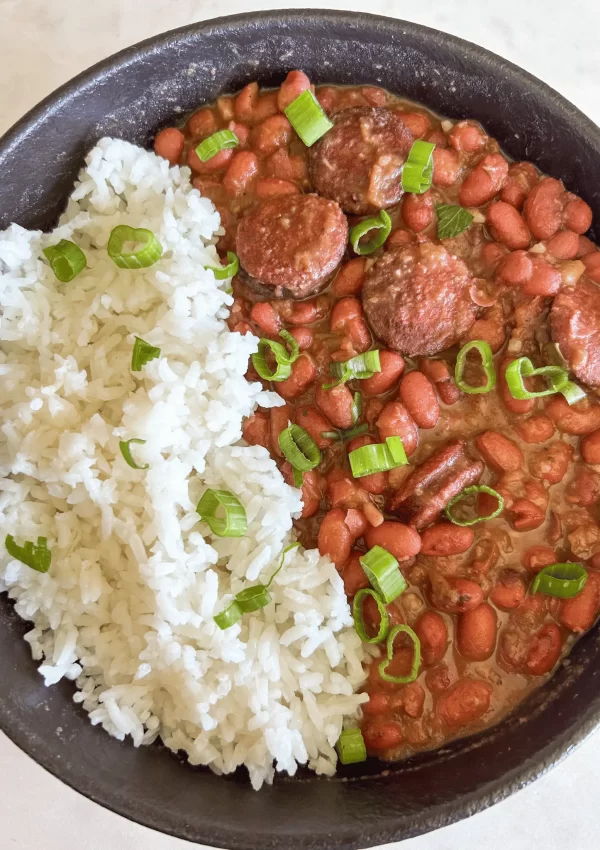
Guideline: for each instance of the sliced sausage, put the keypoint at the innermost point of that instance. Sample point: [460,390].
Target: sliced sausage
[417,298]
[358,163]
[290,246]
[575,327]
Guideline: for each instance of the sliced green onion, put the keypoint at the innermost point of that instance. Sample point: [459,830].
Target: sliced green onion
[452,220]
[359,623]
[472,491]
[562,580]
[229,617]
[143,353]
[522,368]
[126,452]
[378,457]
[350,434]
[282,560]
[414,671]
[253,598]
[307,117]
[34,555]
[382,224]
[357,407]
[356,369]
[225,272]
[299,448]
[351,746]
[487,363]
[418,169]
[283,358]
[383,572]
[66,260]
[235,523]
[298,477]
[222,140]
[147,253]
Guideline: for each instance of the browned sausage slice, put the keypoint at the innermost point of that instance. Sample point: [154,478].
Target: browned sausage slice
[358,163]
[428,490]
[290,246]
[575,327]
[417,299]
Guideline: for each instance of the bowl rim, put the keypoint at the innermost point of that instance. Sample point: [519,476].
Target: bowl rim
[561,745]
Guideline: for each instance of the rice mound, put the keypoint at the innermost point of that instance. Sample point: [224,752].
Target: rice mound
[126,610]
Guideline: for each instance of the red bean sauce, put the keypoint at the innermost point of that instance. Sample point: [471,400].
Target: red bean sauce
[523,278]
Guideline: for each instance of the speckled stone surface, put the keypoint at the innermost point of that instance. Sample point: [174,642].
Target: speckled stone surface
[43,45]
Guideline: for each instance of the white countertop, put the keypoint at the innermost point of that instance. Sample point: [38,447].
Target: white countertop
[45,42]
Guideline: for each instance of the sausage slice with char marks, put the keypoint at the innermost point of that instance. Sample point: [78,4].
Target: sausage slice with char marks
[575,327]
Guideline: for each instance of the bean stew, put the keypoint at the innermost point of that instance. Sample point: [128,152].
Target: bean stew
[502,443]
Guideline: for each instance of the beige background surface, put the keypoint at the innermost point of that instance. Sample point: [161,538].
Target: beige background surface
[43,43]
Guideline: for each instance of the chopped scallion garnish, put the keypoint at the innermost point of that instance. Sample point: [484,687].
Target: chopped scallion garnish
[34,555]
[383,572]
[351,746]
[562,580]
[127,456]
[473,491]
[487,364]
[307,117]
[377,457]
[418,169]
[358,368]
[359,623]
[222,140]
[283,358]
[382,227]
[414,671]
[558,378]
[228,271]
[144,247]
[234,524]
[299,448]
[66,260]
[142,353]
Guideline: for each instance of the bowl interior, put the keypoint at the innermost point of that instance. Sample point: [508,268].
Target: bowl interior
[132,96]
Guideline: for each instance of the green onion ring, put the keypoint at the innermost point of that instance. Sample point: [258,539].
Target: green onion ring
[142,353]
[299,448]
[471,491]
[222,140]
[66,260]
[307,117]
[235,523]
[522,368]
[417,173]
[351,746]
[359,623]
[283,358]
[487,363]
[377,457]
[149,250]
[381,223]
[229,617]
[383,572]
[225,272]
[34,555]
[127,456]
[358,368]
[357,407]
[414,672]
[561,580]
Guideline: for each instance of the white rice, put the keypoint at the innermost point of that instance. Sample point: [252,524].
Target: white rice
[126,610]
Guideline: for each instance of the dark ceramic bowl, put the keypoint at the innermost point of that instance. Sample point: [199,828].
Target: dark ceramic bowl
[133,95]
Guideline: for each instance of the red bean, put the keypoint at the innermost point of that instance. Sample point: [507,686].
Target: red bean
[377,482]
[439,374]
[280,418]
[419,397]
[347,318]
[392,368]
[245,103]
[526,515]
[446,167]
[445,539]
[544,650]
[169,144]
[315,424]
[304,372]
[486,179]
[395,421]
[311,489]
[202,123]
[522,176]
[335,538]
[269,187]
[256,430]
[516,268]
[545,280]
[417,123]
[577,419]
[266,318]
[592,266]
[476,633]
[584,488]
[379,703]
[509,590]
[438,679]
[578,613]
[292,87]
[306,312]
[487,555]
[303,336]
[374,95]
[266,107]
[536,429]
[336,403]
[537,557]
[328,98]
[380,736]
[400,540]
[543,208]
[273,133]
[432,632]
[410,699]
[241,170]
[590,447]
[218,162]
[283,166]
[578,215]
[417,211]
[515,405]
[356,522]
[467,136]
[551,463]
[564,245]
[464,702]
[507,226]
[350,278]
[225,107]
[353,574]
[499,452]
[241,131]
[457,595]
